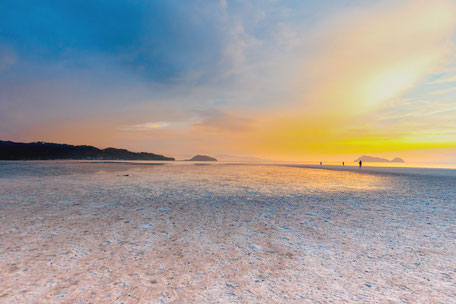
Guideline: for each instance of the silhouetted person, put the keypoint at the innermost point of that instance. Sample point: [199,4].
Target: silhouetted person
[360,164]
[321,163]
[343,164]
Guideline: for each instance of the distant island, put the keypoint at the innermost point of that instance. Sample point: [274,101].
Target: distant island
[48,151]
[202,158]
[372,159]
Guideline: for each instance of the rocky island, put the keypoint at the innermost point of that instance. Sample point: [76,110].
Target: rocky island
[372,159]
[202,158]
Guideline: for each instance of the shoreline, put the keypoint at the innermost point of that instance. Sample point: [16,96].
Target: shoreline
[381,170]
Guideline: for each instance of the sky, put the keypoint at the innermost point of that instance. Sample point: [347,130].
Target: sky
[273,79]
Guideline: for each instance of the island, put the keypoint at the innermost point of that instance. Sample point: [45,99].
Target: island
[51,151]
[372,159]
[202,158]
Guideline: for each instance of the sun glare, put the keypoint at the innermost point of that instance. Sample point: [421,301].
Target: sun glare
[388,84]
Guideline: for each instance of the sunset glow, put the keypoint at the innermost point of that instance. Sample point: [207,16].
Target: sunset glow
[261,80]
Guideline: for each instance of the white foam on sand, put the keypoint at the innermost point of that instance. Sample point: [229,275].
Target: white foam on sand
[73,232]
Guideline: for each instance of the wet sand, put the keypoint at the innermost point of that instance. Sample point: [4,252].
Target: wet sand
[86,233]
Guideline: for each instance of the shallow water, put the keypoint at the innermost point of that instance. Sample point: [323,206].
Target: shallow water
[82,232]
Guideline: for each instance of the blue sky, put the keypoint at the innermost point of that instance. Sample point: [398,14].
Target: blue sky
[160,41]
[148,47]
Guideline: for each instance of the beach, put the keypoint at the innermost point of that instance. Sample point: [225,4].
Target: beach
[108,232]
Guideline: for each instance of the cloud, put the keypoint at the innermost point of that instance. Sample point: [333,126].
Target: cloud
[444,91]
[444,79]
[417,110]
[224,4]
[368,56]
[145,126]
[222,121]
[238,48]
[161,41]
[275,78]
[359,62]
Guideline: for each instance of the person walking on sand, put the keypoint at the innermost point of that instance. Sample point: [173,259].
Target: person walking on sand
[360,164]
[321,163]
[343,164]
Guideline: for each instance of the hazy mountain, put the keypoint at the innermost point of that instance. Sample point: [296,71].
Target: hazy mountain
[44,151]
[202,158]
[226,157]
[366,158]
[397,160]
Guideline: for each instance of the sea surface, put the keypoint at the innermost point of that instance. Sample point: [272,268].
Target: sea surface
[183,232]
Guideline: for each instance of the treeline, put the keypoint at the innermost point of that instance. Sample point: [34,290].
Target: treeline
[47,151]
